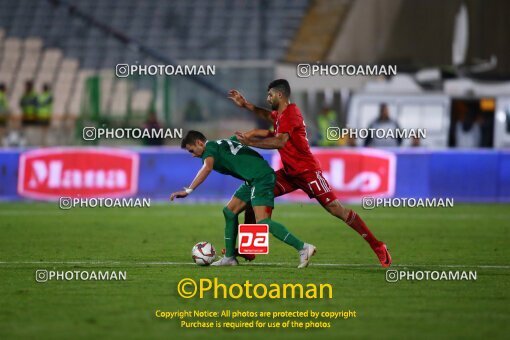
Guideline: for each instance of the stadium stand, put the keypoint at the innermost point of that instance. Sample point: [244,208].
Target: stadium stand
[44,43]
[318,30]
[228,29]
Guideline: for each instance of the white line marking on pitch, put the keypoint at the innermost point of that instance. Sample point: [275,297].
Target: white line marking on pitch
[121,263]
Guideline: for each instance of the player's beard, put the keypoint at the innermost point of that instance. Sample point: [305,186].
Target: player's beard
[275,105]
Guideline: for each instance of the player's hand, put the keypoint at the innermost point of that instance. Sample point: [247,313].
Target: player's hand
[237,98]
[247,134]
[178,194]
[242,138]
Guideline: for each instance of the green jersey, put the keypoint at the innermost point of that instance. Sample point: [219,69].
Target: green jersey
[234,159]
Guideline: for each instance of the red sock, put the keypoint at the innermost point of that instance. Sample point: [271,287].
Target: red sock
[356,223]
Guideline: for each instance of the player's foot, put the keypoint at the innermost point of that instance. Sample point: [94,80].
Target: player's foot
[383,254]
[226,261]
[305,255]
[247,257]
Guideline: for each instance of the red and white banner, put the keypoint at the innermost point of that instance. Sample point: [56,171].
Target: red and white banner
[76,172]
[352,174]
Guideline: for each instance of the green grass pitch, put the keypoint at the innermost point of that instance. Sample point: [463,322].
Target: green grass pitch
[153,246]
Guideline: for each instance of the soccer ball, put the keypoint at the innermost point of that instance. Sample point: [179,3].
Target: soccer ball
[203,253]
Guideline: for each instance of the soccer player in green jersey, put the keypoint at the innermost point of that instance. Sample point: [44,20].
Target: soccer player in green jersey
[229,157]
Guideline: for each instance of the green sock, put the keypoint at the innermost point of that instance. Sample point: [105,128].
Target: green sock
[280,232]
[231,224]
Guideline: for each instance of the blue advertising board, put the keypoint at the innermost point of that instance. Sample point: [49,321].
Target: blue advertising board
[465,175]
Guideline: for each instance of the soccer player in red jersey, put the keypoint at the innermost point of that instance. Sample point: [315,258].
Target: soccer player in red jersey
[300,168]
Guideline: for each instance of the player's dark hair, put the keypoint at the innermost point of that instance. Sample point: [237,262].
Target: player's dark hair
[191,137]
[280,85]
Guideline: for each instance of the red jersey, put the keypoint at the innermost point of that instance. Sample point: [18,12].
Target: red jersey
[296,155]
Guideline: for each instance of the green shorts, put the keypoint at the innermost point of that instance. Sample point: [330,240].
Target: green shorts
[260,192]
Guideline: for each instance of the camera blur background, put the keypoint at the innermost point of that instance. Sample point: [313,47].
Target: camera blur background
[58,58]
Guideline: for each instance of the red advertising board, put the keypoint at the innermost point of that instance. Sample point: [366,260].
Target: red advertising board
[51,173]
[352,174]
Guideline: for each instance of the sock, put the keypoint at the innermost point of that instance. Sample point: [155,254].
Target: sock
[230,232]
[280,232]
[356,223]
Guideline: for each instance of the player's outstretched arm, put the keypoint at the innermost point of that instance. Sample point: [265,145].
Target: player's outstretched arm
[199,179]
[240,101]
[276,142]
[255,133]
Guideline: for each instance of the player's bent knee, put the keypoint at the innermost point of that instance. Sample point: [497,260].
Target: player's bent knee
[236,206]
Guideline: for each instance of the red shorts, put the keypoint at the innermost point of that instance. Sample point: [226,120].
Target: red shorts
[311,182]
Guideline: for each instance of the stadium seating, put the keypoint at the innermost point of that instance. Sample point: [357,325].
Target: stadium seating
[227,29]
[44,43]
[319,28]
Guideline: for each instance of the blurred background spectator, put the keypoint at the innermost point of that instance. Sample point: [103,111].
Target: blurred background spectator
[152,124]
[4,105]
[327,118]
[383,122]
[45,105]
[28,104]
[468,132]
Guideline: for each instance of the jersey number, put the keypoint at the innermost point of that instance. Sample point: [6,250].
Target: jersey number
[233,149]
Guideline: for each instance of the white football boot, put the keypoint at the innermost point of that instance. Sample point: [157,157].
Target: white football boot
[305,255]
[226,261]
